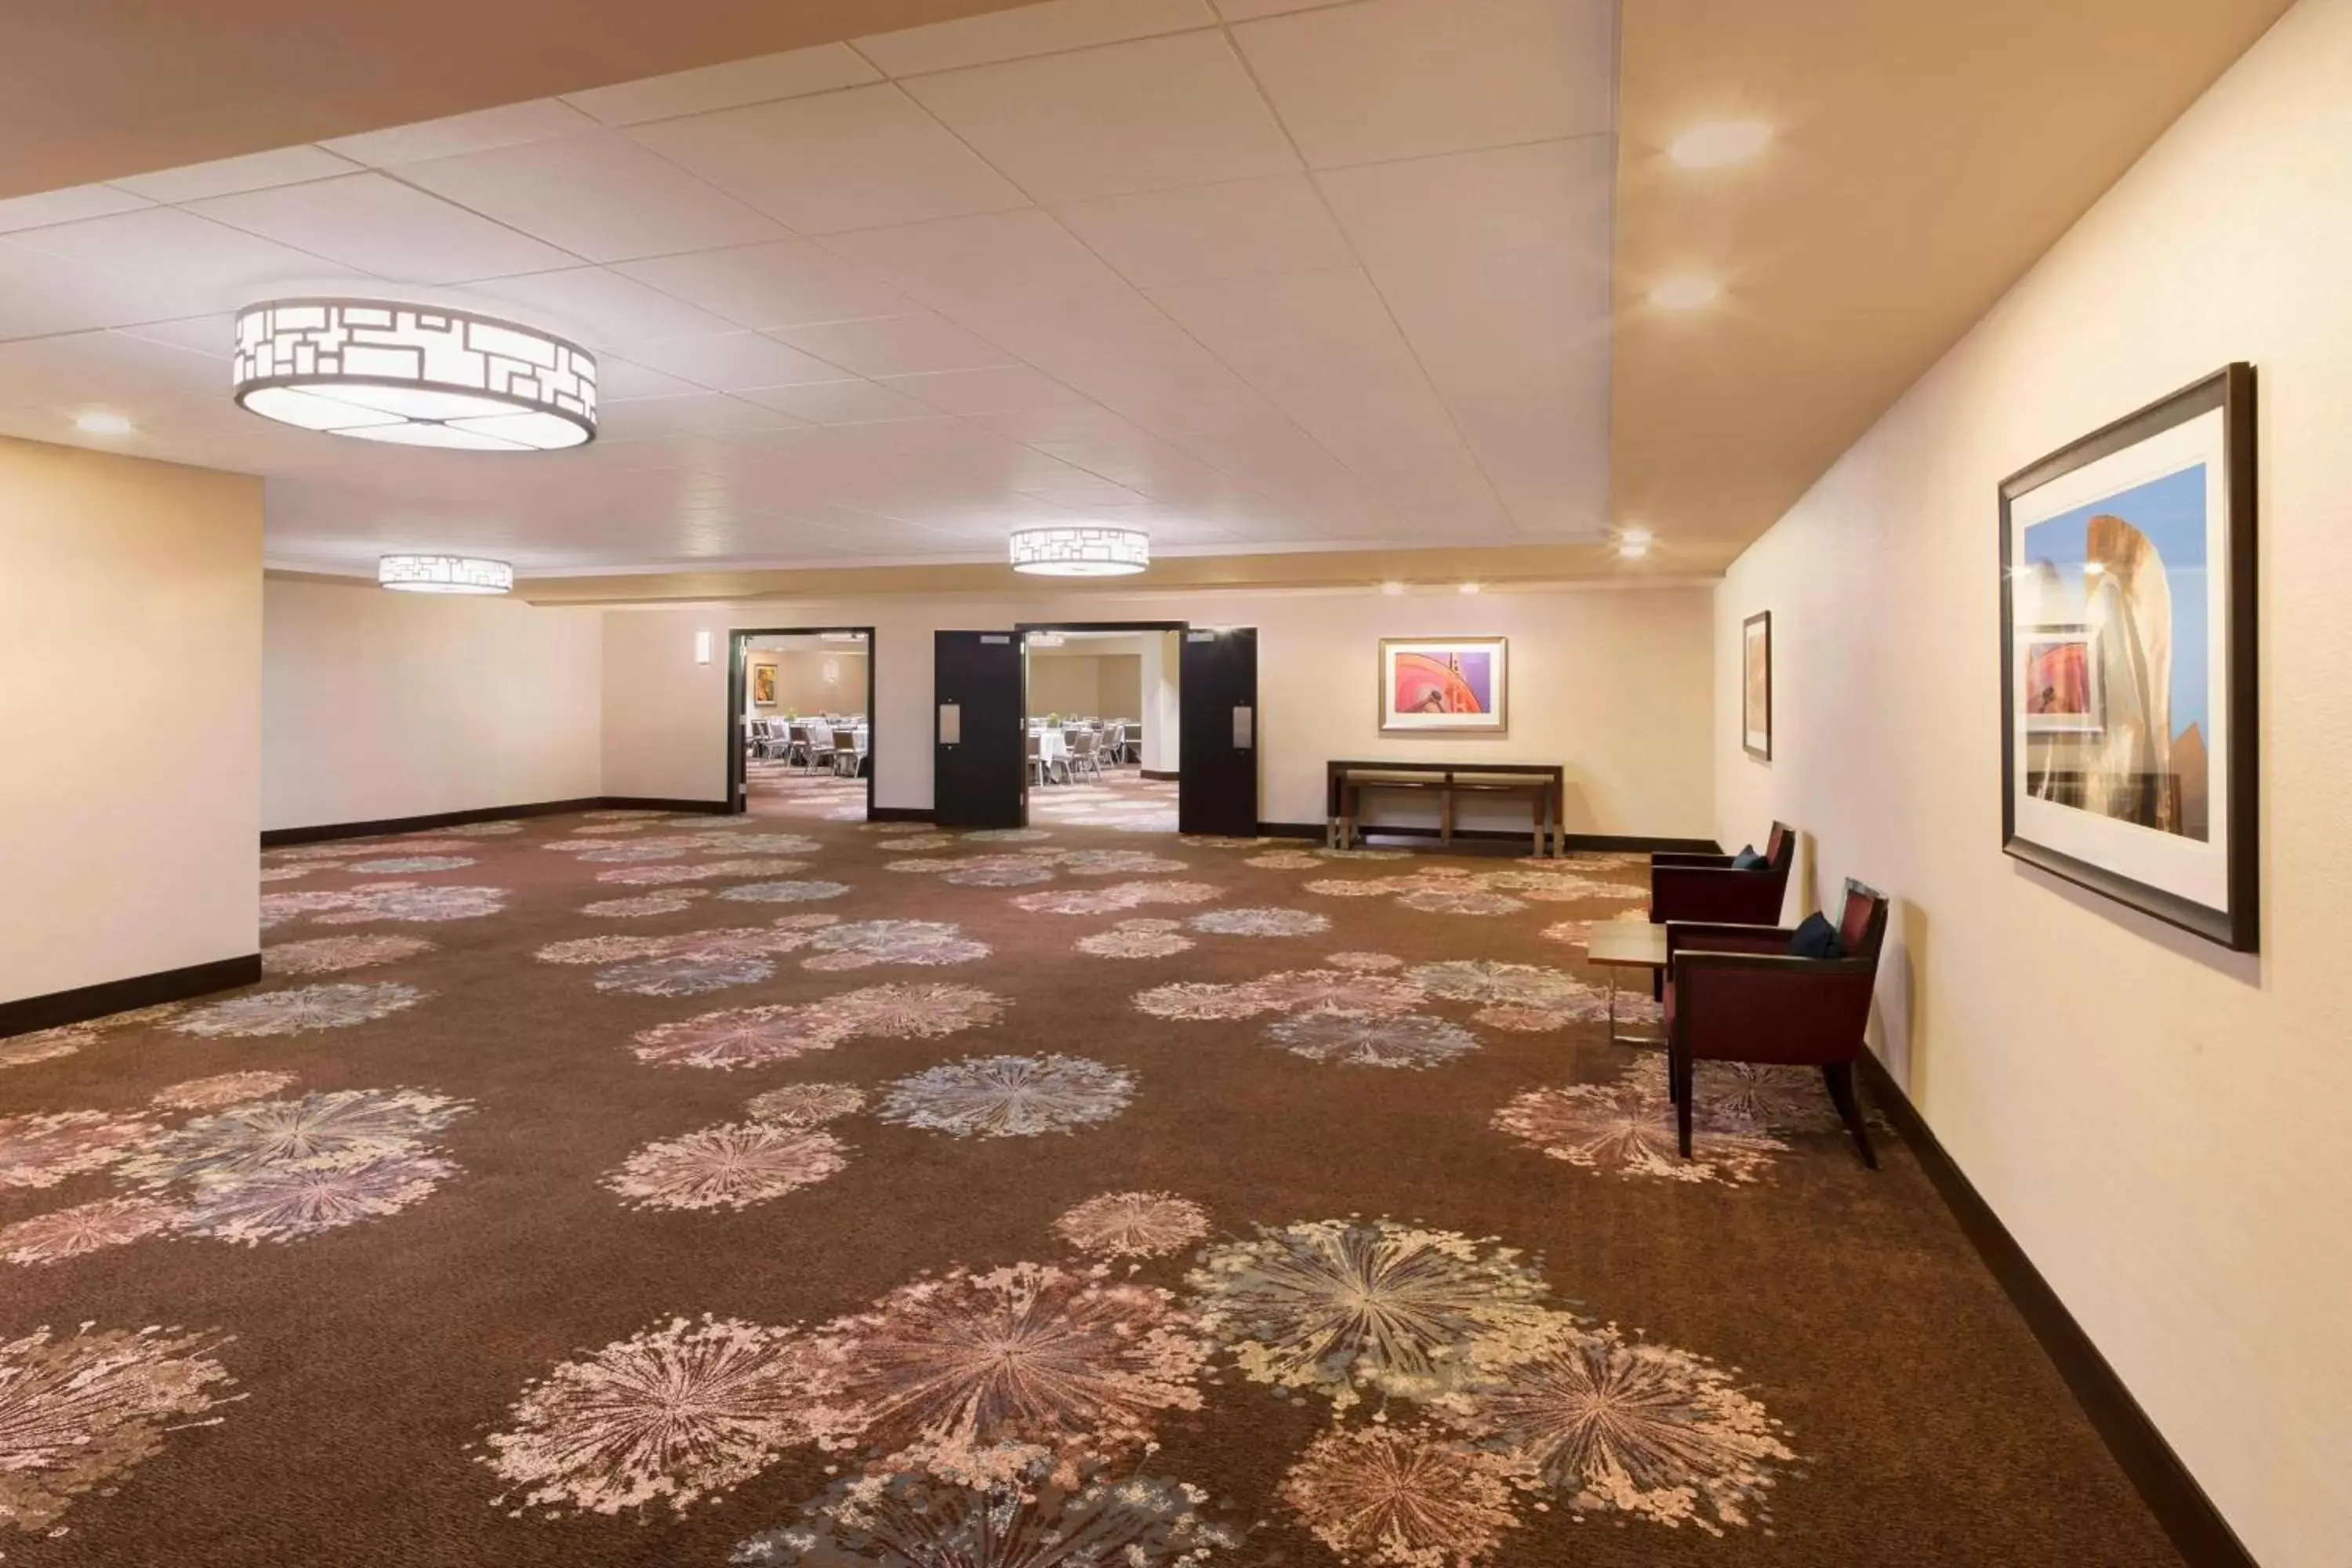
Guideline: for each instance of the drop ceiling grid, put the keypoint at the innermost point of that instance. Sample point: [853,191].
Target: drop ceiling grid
[1173,434]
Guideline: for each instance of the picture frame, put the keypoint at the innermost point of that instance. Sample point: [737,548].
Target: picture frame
[763,684]
[1755,685]
[1444,686]
[2129,687]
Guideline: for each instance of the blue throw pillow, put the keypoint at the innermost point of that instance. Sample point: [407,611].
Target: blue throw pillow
[1747,859]
[1816,938]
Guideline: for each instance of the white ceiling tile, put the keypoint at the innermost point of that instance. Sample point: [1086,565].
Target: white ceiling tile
[731,85]
[602,197]
[1140,116]
[1228,230]
[1028,30]
[854,402]
[594,305]
[227,176]
[377,224]
[895,345]
[510,125]
[993,261]
[1405,79]
[155,264]
[126,373]
[1000,391]
[1250,10]
[1553,196]
[730,362]
[619,379]
[214,336]
[1320,345]
[856,159]
[69,205]
[786,284]
[704,414]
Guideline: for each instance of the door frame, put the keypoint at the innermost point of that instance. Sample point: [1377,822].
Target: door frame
[1022,630]
[739,647]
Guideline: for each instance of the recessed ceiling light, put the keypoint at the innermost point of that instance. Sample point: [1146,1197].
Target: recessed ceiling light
[1715,143]
[416,376]
[1393,589]
[1634,533]
[444,574]
[1685,293]
[1632,549]
[1469,587]
[102,421]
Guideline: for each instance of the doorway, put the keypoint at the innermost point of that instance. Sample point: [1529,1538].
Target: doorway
[1102,719]
[801,723]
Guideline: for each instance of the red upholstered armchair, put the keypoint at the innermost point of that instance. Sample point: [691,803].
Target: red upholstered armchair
[1705,888]
[1735,994]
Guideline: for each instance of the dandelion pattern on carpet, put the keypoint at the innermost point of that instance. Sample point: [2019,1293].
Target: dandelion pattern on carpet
[1009,1097]
[925,1012]
[1118,863]
[916,844]
[1458,901]
[857,944]
[684,976]
[806,1104]
[46,1045]
[220,1090]
[1371,1039]
[1134,1224]
[1007,836]
[297,1200]
[330,1128]
[643,905]
[1283,861]
[83,1228]
[77,1415]
[668,1416]
[966,1373]
[1620,1425]
[1560,888]
[44,1149]
[1364,962]
[738,1037]
[414,901]
[914,1519]
[299,1010]
[732,1165]
[710,870]
[736,842]
[1344,1307]
[399,863]
[1260,922]
[1124,940]
[1488,981]
[635,852]
[783,892]
[1115,899]
[1627,1128]
[486,829]
[1404,1498]
[330,954]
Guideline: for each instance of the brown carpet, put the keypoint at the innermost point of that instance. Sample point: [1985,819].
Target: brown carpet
[624,1190]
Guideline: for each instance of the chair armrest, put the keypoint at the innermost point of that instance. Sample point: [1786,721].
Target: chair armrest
[1713,895]
[1767,1007]
[1723,936]
[1679,858]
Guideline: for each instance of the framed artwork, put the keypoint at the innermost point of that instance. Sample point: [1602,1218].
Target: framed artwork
[1444,686]
[763,684]
[2127,647]
[1756,684]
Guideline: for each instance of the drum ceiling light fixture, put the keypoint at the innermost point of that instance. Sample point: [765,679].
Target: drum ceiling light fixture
[444,574]
[1080,549]
[419,375]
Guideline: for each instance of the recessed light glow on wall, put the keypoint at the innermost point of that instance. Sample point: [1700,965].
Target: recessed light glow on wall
[1469,587]
[1080,549]
[702,647]
[444,574]
[1392,590]
[1632,549]
[1634,533]
[1685,293]
[417,375]
[1715,143]
[102,421]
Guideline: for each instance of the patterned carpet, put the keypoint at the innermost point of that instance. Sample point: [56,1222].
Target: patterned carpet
[629,1190]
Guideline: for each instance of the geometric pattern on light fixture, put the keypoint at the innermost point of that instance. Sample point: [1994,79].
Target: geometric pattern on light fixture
[420,375]
[1080,549]
[444,574]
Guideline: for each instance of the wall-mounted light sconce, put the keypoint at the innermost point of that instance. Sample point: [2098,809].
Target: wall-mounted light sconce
[702,647]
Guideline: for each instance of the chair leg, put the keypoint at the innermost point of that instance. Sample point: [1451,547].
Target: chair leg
[1678,1072]
[1839,1078]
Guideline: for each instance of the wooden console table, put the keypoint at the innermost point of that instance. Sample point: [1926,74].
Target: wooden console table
[1544,785]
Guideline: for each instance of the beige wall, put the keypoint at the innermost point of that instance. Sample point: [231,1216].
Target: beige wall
[2160,1122]
[801,685]
[112,802]
[1085,685]
[1615,684]
[378,705]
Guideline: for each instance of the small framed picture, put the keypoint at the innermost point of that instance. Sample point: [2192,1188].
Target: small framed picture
[1756,684]
[2128,644]
[1445,685]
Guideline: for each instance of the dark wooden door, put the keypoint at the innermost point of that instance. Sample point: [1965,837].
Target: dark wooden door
[1217,744]
[976,729]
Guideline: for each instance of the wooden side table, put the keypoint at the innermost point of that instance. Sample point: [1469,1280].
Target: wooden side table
[1625,944]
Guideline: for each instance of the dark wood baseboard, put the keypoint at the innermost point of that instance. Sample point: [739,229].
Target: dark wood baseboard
[1163,775]
[897,813]
[84,1003]
[1619,842]
[2198,1529]
[273,837]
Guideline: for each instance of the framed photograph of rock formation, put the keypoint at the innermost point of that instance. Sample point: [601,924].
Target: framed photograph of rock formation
[2128,695]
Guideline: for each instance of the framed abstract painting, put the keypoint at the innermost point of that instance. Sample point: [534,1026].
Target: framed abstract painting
[1755,685]
[1444,686]
[763,684]
[2128,649]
